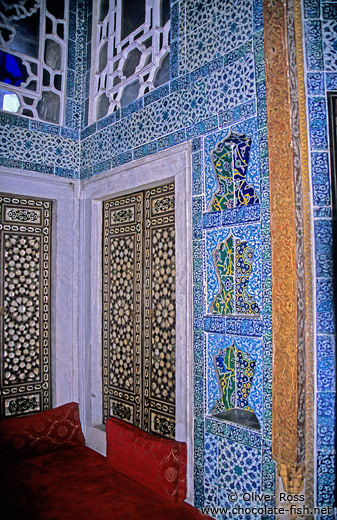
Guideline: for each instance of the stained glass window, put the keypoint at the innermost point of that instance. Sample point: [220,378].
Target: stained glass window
[32,58]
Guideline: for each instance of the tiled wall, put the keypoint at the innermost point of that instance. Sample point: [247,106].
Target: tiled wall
[320,30]
[217,84]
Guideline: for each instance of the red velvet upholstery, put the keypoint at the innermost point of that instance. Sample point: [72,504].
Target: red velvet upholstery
[73,482]
[40,433]
[155,462]
[79,484]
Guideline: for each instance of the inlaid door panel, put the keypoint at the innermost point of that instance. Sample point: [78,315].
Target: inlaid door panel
[122,307]
[25,240]
[139,310]
[159,332]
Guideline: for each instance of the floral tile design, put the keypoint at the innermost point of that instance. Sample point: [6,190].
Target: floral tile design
[218,342]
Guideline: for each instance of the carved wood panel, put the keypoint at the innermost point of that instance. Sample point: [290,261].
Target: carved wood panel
[291,244]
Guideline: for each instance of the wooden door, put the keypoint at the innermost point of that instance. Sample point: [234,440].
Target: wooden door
[139,309]
[25,241]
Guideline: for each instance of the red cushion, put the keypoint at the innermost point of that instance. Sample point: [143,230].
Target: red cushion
[79,484]
[40,433]
[155,462]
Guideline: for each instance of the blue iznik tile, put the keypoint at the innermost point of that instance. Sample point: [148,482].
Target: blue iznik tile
[324,301]
[232,216]
[326,375]
[323,247]
[238,113]
[155,120]
[315,81]
[156,94]
[212,66]
[322,212]
[72,26]
[253,348]
[234,432]
[70,132]
[198,13]
[320,178]
[329,10]
[325,478]
[261,104]
[235,25]
[196,217]
[268,480]
[313,44]
[246,233]
[263,148]
[44,127]
[211,494]
[257,15]
[199,47]
[326,405]
[234,326]
[211,459]
[325,433]
[249,129]
[232,85]
[89,130]
[171,139]
[329,30]
[239,470]
[13,120]
[331,80]
[71,55]
[325,347]
[38,147]
[175,22]
[259,56]
[196,144]
[236,54]
[203,127]
[312,8]
[194,102]
[317,122]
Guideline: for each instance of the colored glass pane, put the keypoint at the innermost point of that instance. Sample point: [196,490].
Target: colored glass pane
[133,15]
[12,70]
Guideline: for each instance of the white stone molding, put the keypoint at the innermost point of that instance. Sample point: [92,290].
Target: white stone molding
[64,272]
[167,166]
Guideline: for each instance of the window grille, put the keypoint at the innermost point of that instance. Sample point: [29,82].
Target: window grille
[130,52]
